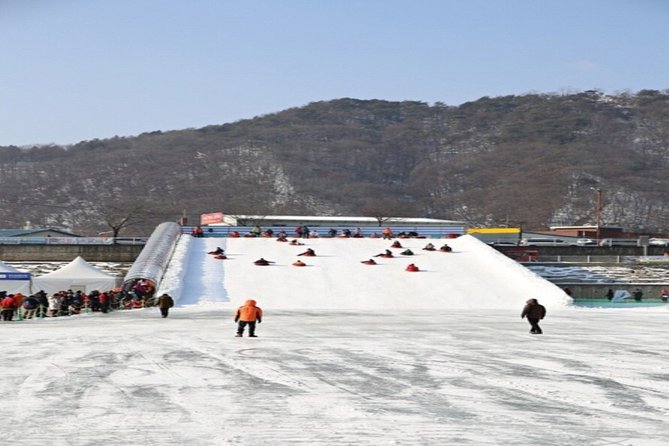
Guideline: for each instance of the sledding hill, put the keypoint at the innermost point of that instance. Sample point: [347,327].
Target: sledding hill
[472,276]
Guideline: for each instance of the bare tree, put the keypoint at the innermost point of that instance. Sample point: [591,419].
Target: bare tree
[384,210]
[120,217]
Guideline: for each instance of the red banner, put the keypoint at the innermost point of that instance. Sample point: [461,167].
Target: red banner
[214,217]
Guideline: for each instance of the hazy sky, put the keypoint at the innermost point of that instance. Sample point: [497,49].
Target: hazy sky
[74,70]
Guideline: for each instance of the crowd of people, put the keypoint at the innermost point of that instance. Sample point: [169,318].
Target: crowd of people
[305,232]
[17,306]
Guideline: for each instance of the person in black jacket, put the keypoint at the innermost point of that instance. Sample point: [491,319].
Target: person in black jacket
[165,302]
[534,312]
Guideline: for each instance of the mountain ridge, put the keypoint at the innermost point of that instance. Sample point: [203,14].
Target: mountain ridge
[530,161]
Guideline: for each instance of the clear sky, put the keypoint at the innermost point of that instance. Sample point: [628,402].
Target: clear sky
[75,70]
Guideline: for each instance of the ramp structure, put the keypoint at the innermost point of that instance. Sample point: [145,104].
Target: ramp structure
[473,275]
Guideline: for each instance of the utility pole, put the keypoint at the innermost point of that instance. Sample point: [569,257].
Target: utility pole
[598,212]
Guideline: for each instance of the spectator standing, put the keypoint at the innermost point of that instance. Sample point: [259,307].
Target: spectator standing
[54,304]
[664,294]
[104,302]
[197,232]
[248,314]
[30,305]
[8,305]
[43,302]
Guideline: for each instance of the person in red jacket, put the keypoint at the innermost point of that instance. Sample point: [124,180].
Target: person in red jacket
[248,314]
[412,268]
[8,305]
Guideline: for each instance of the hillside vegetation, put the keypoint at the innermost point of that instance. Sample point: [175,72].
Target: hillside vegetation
[530,160]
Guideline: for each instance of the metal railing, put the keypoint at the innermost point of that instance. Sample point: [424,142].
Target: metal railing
[72,240]
[323,231]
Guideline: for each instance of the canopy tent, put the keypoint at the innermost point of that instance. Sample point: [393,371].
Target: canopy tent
[76,275]
[14,281]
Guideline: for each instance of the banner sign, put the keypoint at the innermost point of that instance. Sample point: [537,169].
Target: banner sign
[14,276]
[213,217]
[493,231]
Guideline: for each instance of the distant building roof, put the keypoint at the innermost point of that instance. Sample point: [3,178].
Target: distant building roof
[35,232]
[367,221]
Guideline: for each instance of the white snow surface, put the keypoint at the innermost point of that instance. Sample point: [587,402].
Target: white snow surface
[474,275]
[373,356]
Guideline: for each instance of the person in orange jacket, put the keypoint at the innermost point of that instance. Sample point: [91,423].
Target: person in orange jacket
[387,233]
[18,298]
[248,314]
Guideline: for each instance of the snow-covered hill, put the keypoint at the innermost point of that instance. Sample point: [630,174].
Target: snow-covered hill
[473,275]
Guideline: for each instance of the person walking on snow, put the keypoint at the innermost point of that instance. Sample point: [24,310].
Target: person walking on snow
[165,302]
[534,312]
[248,314]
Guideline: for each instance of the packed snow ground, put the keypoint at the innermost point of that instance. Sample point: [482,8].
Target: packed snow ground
[385,373]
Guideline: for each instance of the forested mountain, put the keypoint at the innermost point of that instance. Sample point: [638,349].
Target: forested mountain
[530,160]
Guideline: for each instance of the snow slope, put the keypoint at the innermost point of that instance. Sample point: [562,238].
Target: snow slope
[472,276]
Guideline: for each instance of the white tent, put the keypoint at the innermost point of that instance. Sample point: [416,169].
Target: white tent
[14,281]
[76,275]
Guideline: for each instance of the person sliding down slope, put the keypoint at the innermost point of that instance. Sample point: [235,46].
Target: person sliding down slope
[248,314]
[386,255]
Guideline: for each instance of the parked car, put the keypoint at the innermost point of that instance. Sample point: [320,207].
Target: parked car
[659,242]
[130,240]
[585,242]
[619,242]
[503,243]
[543,241]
